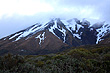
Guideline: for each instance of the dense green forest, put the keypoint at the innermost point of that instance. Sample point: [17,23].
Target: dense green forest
[74,60]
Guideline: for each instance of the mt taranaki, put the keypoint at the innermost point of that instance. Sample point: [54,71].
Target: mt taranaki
[54,36]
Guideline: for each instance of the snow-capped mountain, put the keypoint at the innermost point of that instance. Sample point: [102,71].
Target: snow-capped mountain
[53,36]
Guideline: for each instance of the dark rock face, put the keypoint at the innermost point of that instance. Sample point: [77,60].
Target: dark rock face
[88,37]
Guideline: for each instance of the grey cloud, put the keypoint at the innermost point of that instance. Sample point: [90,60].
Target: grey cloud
[101,7]
[16,23]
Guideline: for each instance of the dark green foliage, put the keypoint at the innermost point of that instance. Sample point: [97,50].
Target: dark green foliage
[40,63]
[79,53]
[9,61]
[78,60]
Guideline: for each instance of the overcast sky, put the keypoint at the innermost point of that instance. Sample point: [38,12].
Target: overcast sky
[19,14]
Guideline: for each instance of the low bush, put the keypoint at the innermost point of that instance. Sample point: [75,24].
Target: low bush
[73,61]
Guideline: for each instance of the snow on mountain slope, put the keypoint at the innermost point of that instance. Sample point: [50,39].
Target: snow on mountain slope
[104,30]
[41,37]
[16,35]
[60,28]
[72,25]
[31,30]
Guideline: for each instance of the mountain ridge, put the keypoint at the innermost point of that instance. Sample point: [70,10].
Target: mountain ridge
[54,36]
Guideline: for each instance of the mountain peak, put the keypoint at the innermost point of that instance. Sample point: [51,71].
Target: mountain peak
[57,33]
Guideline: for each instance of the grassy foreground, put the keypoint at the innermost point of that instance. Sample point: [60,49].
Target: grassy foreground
[78,60]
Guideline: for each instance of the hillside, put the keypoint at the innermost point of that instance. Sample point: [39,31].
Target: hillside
[54,36]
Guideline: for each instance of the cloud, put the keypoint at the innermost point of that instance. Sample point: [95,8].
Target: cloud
[18,14]
[72,8]
[23,7]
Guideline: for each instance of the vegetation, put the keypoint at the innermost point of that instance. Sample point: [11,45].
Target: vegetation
[77,60]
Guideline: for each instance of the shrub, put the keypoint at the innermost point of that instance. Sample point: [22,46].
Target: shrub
[98,50]
[9,61]
[106,57]
[39,63]
[79,53]
[59,57]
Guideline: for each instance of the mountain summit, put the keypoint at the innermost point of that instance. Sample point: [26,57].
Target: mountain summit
[54,36]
